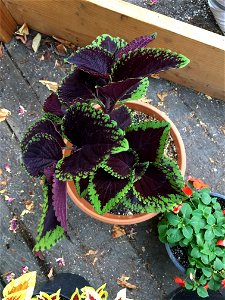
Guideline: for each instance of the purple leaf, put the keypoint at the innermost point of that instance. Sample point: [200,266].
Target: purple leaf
[53,105]
[144,62]
[82,161]
[109,43]
[84,125]
[121,164]
[60,201]
[50,221]
[78,85]
[95,61]
[41,152]
[122,116]
[116,91]
[107,190]
[49,173]
[139,42]
[82,185]
[154,183]
[42,126]
[148,139]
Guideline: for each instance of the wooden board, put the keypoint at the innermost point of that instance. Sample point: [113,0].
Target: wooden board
[7,24]
[82,20]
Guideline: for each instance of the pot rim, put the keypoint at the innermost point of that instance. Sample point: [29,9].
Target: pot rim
[86,207]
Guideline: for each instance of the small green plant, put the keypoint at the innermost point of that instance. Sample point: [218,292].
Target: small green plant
[199,226]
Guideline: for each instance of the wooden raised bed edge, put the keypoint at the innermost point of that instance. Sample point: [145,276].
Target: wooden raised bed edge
[80,21]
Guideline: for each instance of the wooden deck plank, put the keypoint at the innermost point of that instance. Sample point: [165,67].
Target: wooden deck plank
[82,20]
[7,24]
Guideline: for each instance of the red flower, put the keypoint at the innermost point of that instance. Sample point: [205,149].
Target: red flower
[206,286]
[198,184]
[224,211]
[221,243]
[187,191]
[223,283]
[180,281]
[177,209]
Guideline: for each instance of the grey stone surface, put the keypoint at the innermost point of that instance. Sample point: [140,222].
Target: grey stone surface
[141,256]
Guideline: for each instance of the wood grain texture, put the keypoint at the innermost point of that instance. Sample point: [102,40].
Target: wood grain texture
[80,21]
[7,24]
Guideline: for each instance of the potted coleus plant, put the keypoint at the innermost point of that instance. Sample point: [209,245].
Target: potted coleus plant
[195,236]
[111,156]
[64,286]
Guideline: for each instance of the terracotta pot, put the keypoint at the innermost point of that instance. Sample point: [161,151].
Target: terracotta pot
[86,207]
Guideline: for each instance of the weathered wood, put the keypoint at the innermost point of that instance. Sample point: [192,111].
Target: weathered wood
[7,24]
[82,20]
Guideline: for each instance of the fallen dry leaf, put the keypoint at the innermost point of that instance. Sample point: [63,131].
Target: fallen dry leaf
[66,43]
[36,42]
[23,30]
[2,191]
[94,261]
[122,281]
[61,49]
[29,205]
[1,50]
[51,85]
[22,33]
[223,129]
[91,252]
[1,172]
[162,95]
[117,231]
[4,113]
[3,182]
[50,273]
[156,76]
[45,56]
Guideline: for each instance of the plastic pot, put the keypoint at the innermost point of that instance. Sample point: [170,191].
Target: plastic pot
[67,282]
[181,294]
[86,207]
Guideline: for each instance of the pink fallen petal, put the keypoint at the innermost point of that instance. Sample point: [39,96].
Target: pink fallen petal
[13,225]
[24,270]
[21,110]
[6,166]
[10,276]
[60,261]
[9,199]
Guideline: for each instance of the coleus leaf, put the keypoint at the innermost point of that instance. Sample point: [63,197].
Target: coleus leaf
[106,191]
[122,116]
[97,127]
[144,62]
[41,152]
[94,61]
[78,86]
[82,161]
[60,201]
[49,229]
[160,187]
[116,91]
[100,137]
[139,42]
[148,139]
[42,126]
[82,185]
[121,164]
[53,105]
[109,43]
